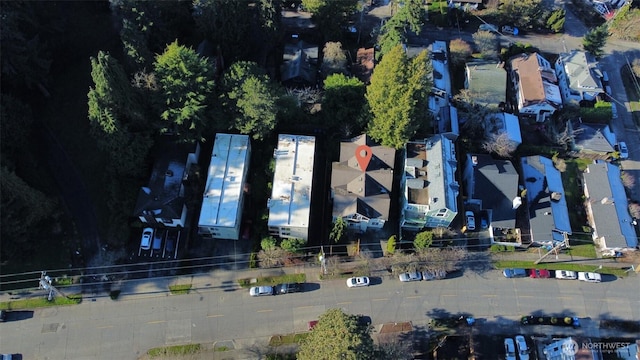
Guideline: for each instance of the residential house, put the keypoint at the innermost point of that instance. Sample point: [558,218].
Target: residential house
[607,208]
[593,139]
[579,77]
[365,62]
[360,189]
[536,86]
[486,82]
[290,202]
[430,197]
[163,201]
[300,64]
[223,199]
[492,185]
[502,122]
[546,201]
[629,352]
[445,116]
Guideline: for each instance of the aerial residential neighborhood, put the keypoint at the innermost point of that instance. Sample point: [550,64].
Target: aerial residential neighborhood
[320,179]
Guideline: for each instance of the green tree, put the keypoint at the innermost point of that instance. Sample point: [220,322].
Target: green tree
[292,244]
[343,101]
[555,22]
[337,336]
[339,230]
[522,13]
[487,43]
[226,24]
[459,51]
[251,99]
[334,59]
[330,15]
[423,240]
[412,14]
[391,245]
[15,129]
[269,14]
[397,97]
[595,40]
[186,82]
[392,34]
[268,243]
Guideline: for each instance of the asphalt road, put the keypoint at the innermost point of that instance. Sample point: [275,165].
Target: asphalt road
[125,329]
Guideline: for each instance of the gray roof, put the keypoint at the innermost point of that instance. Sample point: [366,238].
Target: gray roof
[596,138]
[300,62]
[608,203]
[366,193]
[163,197]
[487,82]
[547,205]
[582,71]
[495,182]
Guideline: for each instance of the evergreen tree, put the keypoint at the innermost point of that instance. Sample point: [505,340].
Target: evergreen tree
[595,40]
[186,82]
[226,24]
[330,15]
[343,101]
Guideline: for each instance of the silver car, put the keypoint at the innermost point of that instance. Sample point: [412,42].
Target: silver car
[411,276]
[261,291]
[589,277]
[358,281]
[566,275]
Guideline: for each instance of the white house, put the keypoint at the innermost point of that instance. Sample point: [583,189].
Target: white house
[579,75]
[361,196]
[535,83]
[290,202]
[223,199]
[430,189]
[163,201]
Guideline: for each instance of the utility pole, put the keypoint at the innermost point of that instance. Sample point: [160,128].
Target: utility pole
[46,284]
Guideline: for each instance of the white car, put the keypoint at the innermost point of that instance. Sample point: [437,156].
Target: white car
[471,220]
[145,241]
[411,276]
[566,275]
[509,349]
[623,150]
[357,281]
[589,277]
[523,350]
[261,291]
[488,27]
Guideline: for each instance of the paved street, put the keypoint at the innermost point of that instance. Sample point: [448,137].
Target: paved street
[218,311]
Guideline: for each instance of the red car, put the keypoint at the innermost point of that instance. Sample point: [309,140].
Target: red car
[539,274]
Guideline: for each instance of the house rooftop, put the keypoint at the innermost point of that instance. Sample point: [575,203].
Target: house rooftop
[582,71]
[609,205]
[537,81]
[596,138]
[224,187]
[290,200]
[546,199]
[365,62]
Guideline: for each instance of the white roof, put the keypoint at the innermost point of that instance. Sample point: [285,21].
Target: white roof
[291,194]
[221,199]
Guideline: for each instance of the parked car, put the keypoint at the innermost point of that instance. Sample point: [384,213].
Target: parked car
[157,239]
[523,350]
[509,349]
[170,243]
[261,291]
[551,320]
[3,315]
[509,30]
[145,241]
[288,288]
[410,276]
[434,274]
[623,150]
[566,275]
[484,224]
[357,281]
[471,220]
[488,27]
[591,277]
[514,273]
[539,274]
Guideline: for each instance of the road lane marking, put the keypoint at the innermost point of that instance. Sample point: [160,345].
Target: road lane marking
[156,322]
[213,316]
[381,299]
[267,310]
[304,307]
[448,295]
[525,296]
[489,295]
[413,297]
[344,303]
[105,327]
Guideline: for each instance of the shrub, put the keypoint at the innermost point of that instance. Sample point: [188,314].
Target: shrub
[391,245]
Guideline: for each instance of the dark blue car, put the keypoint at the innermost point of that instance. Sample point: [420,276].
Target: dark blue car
[514,273]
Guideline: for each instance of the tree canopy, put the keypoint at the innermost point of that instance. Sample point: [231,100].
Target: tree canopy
[397,97]
[595,40]
[408,18]
[330,15]
[226,24]
[250,99]
[343,101]
[337,336]
[186,82]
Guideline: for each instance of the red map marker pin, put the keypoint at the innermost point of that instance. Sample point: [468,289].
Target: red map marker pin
[363,155]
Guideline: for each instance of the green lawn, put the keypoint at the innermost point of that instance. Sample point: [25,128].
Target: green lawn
[273,280]
[633,93]
[40,302]
[278,340]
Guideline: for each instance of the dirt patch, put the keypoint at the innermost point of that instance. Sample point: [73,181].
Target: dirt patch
[396,327]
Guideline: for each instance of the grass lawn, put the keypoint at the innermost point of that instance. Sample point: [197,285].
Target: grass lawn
[633,93]
[278,340]
[40,302]
[584,250]
[273,280]
[165,352]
